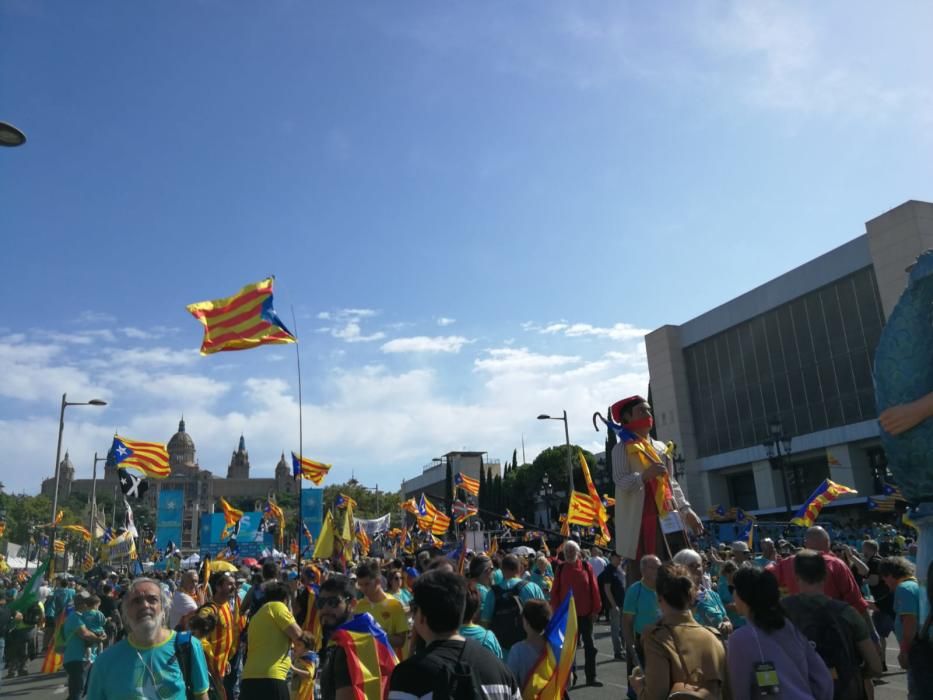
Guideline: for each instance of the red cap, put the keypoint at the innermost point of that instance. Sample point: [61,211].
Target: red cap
[620,407]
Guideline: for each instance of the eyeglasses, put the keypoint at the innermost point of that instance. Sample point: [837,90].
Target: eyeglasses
[332,602]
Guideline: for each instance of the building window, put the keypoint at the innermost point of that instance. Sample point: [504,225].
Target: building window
[804,476]
[807,362]
[742,491]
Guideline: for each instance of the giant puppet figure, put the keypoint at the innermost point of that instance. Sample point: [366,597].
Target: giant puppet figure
[904,397]
[646,490]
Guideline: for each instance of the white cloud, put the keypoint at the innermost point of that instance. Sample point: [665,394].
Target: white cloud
[153,333]
[32,371]
[444,321]
[324,315]
[78,338]
[145,357]
[351,333]
[422,343]
[618,331]
[95,317]
[507,359]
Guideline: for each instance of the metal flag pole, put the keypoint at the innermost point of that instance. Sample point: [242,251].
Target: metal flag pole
[299,477]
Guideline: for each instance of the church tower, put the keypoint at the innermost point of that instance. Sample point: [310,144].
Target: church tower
[284,482]
[66,476]
[181,452]
[239,462]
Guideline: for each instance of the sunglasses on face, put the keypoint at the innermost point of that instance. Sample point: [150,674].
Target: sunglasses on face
[331,602]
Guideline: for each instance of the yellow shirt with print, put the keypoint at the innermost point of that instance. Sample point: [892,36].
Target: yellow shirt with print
[389,613]
[267,643]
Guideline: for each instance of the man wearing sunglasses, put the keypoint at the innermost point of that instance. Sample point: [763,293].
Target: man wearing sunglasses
[346,637]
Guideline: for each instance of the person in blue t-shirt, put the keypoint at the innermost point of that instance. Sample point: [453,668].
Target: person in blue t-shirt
[144,665]
[640,609]
[898,575]
[511,577]
[80,646]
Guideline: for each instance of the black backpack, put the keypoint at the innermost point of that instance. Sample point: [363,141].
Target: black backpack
[33,615]
[454,681]
[827,631]
[506,621]
[183,654]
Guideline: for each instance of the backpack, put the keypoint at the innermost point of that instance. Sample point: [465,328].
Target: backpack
[454,681]
[833,641]
[506,621]
[33,615]
[183,654]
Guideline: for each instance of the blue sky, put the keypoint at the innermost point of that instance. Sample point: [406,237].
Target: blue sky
[476,209]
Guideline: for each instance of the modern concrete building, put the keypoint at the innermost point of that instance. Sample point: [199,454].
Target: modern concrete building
[795,353]
[433,476]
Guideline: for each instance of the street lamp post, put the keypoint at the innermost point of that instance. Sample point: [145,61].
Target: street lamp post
[544,416]
[58,458]
[778,447]
[93,515]
[545,494]
[10,136]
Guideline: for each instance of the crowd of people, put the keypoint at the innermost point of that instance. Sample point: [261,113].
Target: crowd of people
[797,622]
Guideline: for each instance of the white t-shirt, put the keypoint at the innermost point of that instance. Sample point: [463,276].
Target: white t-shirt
[182,604]
[598,564]
[44,593]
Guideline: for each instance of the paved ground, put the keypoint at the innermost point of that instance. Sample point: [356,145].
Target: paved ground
[611,672]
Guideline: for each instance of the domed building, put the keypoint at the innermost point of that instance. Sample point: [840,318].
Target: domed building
[200,487]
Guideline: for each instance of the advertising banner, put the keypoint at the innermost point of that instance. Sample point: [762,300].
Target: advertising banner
[371,527]
[171,509]
[250,538]
[312,512]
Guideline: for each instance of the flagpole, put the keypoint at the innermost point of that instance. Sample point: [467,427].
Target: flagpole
[300,434]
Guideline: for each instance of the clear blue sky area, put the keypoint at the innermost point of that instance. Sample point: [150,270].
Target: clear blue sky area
[475,209]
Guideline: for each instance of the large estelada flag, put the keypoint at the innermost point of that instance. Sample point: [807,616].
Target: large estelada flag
[370,657]
[242,321]
[549,676]
[232,516]
[309,469]
[430,518]
[151,458]
[827,492]
[582,510]
[466,483]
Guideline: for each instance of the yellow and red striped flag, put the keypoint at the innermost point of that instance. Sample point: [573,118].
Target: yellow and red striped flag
[309,469]
[242,321]
[582,511]
[151,458]
[430,518]
[466,483]
[602,517]
[79,530]
[827,492]
[231,517]
[510,522]
[59,547]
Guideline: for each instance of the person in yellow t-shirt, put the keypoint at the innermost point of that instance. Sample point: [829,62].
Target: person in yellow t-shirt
[388,612]
[271,631]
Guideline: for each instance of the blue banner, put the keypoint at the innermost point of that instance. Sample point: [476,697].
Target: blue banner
[169,518]
[250,539]
[312,513]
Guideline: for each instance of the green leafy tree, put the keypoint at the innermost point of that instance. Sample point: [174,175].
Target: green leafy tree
[514,458]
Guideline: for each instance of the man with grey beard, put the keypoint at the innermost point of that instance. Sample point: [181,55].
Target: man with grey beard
[144,665]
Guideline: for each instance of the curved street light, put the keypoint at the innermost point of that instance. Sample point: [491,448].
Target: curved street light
[10,136]
[58,457]
[545,416]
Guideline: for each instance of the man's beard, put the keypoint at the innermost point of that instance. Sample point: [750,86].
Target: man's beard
[148,628]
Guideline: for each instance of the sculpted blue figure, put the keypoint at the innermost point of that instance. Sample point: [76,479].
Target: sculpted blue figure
[904,384]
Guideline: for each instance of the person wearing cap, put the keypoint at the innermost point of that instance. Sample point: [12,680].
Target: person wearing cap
[643,472]
[740,552]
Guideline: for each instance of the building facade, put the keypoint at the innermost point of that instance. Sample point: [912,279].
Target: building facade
[795,353]
[433,478]
[200,487]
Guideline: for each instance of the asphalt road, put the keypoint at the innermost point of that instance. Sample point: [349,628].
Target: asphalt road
[893,686]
